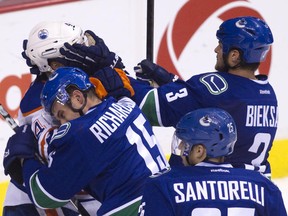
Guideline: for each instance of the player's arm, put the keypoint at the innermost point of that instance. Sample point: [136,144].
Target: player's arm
[52,186]
[154,102]
[154,74]
[164,106]
[275,205]
[154,200]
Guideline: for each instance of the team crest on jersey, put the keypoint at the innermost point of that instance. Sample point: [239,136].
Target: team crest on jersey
[62,131]
[215,83]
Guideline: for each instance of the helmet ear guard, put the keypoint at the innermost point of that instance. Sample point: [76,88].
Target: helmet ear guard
[212,127]
[46,39]
[249,34]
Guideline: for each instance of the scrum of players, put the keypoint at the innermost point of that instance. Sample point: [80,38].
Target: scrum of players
[228,115]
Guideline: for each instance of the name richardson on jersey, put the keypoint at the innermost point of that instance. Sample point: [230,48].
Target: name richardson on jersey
[261,116]
[218,190]
[110,121]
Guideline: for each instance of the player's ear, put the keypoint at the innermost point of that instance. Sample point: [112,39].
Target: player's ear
[201,152]
[77,99]
[234,57]
[197,154]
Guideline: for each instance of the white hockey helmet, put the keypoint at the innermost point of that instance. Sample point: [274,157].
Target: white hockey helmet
[46,39]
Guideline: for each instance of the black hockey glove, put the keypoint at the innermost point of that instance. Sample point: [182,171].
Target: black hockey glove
[148,71]
[91,58]
[22,145]
[33,68]
[112,82]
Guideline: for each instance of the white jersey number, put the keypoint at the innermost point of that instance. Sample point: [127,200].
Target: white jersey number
[260,138]
[145,142]
[235,211]
[171,96]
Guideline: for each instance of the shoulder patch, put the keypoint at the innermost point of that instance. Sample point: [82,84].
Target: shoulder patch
[215,83]
[62,131]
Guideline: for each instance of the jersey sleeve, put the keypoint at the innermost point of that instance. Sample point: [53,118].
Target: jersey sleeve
[67,172]
[165,105]
[274,201]
[31,102]
[154,200]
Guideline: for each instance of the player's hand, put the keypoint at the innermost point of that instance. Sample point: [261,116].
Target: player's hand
[111,57]
[112,82]
[148,71]
[20,146]
[93,39]
[33,67]
[91,58]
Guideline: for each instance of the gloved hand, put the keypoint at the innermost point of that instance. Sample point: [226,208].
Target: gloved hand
[33,67]
[91,58]
[112,82]
[147,71]
[22,145]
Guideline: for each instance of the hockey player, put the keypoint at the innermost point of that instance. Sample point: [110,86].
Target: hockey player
[42,54]
[106,147]
[207,185]
[243,44]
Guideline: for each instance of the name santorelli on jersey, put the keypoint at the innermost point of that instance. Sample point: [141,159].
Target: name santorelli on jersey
[111,120]
[218,190]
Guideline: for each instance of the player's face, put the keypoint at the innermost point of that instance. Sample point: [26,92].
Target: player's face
[219,66]
[55,64]
[63,113]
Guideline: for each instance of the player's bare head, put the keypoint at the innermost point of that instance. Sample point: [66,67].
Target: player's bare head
[213,128]
[250,36]
[46,39]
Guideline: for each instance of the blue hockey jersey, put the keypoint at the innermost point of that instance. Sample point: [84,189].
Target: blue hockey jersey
[109,152]
[252,104]
[31,112]
[211,190]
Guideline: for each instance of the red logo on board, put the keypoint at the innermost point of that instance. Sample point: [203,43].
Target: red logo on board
[188,21]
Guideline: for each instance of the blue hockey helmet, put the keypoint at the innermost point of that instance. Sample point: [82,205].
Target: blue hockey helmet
[55,88]
[212,127]
[249,34]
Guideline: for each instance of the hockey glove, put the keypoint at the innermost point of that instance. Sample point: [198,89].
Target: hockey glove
[22,145]
[112,82]
[91,58]
[148,71]
[33,68]
[93,39]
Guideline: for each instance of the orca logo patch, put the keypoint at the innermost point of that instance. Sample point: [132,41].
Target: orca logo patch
[215,83]
[62,131]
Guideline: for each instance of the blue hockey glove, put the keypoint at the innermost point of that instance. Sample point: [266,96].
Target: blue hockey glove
[112,82]
[93,39]
[91,58]
[33,68]
[147,71]
[22,145]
